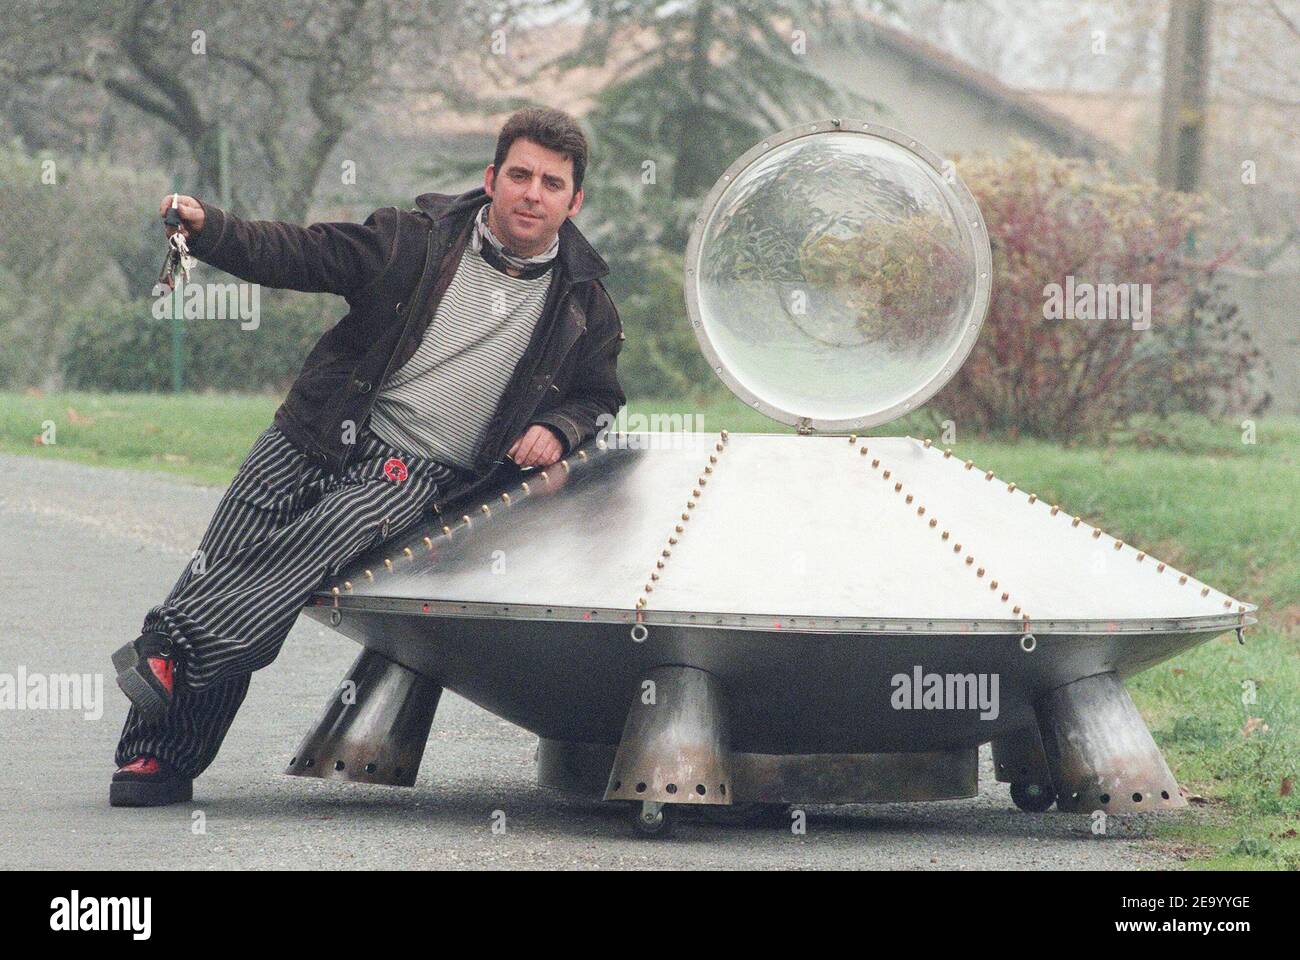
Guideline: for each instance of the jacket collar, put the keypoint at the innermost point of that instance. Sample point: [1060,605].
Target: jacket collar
[578,258]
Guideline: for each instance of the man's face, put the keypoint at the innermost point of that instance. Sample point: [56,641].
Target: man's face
[532,195]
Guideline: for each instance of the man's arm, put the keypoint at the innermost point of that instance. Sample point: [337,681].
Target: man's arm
[595,390]
[340,258]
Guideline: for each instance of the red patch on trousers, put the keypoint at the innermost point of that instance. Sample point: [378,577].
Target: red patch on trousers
[394,469]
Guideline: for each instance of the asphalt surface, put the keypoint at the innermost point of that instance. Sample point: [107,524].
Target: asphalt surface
[85,551]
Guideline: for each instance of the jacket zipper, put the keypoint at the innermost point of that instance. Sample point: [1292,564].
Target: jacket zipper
[420,289]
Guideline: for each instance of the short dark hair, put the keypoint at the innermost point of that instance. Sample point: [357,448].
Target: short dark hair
[552,129]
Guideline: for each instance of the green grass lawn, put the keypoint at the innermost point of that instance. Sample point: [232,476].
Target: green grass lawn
[1187,490]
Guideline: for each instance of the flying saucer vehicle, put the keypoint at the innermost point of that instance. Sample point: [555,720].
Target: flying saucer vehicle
[739,622]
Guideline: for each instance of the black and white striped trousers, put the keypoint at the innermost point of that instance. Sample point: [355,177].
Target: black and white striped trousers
[283,527]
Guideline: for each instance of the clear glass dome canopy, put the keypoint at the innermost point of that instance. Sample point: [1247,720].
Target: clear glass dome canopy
[837,275]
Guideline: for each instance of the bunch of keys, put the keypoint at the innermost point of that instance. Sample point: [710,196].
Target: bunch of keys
[178,259]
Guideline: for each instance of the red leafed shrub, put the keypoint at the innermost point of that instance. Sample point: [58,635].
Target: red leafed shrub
[1038,370]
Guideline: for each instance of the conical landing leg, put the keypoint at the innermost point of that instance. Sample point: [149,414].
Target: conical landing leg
[675,746]
[374,727]
[1099,751]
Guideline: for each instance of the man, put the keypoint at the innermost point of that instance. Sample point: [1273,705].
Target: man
[479,341]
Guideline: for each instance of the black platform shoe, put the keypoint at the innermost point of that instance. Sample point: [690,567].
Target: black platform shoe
[149,782]
[145,672]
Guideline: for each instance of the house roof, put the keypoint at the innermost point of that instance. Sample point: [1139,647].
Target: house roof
[577,94]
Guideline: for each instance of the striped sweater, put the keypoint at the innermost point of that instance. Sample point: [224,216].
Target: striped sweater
[438,404]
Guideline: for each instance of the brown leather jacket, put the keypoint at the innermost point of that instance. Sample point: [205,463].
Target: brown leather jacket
[392,270]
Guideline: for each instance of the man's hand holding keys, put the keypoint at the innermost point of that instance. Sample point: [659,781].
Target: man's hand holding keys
[191,214]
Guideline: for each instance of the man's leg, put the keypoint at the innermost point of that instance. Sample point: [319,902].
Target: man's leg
[274,484]
[234,618]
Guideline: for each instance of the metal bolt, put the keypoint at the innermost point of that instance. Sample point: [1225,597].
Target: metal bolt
[885,474]
[1011,488]
[1118,544]
[1074,522]
[1160,568]
[1096,534]
[347,585]
[969,464]
[853,438]
[545,476]
[1182,580]
[989,475]
[933,521]
[446,531]
[945,535]
[947,454]
[388,564]
[1004,598]
[724,434]
[1033,497]
[927,443]
[1205,591]
[1055,509]
[505,498]
[407,551]
[1141,557]
[565,465]
[428,543]
[525,487]
[369,575]
[875,463]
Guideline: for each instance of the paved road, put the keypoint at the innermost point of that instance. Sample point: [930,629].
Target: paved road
[85,551]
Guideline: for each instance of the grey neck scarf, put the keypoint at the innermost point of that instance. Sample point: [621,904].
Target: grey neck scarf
[483,231]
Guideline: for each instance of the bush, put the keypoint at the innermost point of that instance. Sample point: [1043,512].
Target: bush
[1050,218]
[76,231]
[121,346]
